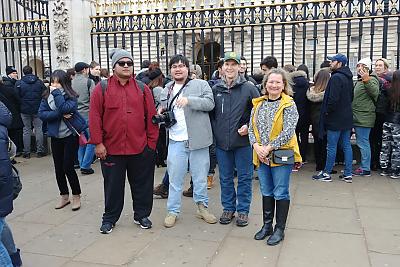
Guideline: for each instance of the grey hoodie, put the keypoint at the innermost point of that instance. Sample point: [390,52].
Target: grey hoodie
[201,101]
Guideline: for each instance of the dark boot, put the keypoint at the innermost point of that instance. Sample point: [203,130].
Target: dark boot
[268,204]
[282,209]
[16,259]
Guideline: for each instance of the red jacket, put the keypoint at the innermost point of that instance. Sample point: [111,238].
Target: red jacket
[121,119]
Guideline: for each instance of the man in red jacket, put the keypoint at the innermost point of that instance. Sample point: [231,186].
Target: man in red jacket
[125,138]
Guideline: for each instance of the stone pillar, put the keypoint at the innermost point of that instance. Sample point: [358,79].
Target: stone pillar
[70,32]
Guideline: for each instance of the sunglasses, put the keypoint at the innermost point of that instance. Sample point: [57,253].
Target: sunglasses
[123,63]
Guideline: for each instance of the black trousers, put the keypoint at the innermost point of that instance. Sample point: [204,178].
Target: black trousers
[162,147]
[64,151]
[375,140]
[319,148]
[16,136]
[140,171]
[302,138]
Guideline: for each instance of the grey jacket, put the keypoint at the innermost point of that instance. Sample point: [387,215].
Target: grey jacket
[81,85]
[200,102]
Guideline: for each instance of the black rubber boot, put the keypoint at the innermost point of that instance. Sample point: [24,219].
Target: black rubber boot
[282,209]
[16,259]
[268,204]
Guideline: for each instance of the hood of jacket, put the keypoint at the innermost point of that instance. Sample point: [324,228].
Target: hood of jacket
[314,96]
[345,71]
[30,78]
[9,81]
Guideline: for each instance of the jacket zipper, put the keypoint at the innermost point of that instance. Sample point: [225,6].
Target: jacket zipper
[222,105]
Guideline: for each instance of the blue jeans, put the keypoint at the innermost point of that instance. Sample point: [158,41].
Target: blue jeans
[227,160]
[333,138]
[86,153]
[274,181]
[7,239]
[362,140]
[5,260]
[178,158]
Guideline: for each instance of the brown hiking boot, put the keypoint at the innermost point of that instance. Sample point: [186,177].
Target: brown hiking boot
[76,202]
[161,191]
[226,217]
[188,192]
[210,181]
[64,201]
[203,213]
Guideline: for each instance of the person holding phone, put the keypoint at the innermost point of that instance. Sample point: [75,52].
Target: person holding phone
[366,93]
[55,109]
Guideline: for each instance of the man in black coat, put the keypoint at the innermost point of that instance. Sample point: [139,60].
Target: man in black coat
[337,117]
[10,98]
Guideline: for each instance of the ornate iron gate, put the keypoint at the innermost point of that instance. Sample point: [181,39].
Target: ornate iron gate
[295,32]
[25,35]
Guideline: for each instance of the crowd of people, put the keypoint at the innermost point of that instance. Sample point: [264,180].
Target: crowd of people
[134,121]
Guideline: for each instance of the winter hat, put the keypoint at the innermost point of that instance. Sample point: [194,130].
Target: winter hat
[10,69]
[117,53]
[366,61]
[154,73]
[80,66]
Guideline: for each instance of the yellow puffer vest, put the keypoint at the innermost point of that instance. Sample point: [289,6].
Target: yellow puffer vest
[277,127]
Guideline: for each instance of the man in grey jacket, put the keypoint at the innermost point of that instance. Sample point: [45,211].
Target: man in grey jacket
[84,87]
[189,138]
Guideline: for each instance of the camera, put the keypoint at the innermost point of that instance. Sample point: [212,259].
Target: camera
[167,118]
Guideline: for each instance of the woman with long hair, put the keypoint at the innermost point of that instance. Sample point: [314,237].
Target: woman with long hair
[390,152]
[57,110]
[316,95]
[272,127]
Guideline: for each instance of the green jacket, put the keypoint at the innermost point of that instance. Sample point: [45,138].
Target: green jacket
[365,96]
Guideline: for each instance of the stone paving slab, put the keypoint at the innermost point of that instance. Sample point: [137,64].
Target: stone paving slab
[329,224]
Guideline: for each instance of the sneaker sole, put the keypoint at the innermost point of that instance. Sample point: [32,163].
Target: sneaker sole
[141,226]
[394,177]
[106,232]
[242,225]
[347,181]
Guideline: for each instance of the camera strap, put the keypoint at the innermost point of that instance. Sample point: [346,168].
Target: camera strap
[171,89]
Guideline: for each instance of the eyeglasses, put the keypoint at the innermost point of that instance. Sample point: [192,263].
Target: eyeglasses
[123,63]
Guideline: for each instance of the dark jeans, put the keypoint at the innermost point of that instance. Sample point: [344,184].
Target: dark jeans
[140,171]
[64,152]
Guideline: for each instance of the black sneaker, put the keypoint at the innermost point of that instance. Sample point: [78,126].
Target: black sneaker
[322,176]
[144,223]
[347,179]
[87,171]
[242,220]
[395,175]
[41,154]
[226,217]
[26,155]
[106,227]
[386,172]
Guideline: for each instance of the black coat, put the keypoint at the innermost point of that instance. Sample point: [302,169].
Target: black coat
[300,87]
[232,110]
[6,180]
[10,98]
[30,90]
[336,110]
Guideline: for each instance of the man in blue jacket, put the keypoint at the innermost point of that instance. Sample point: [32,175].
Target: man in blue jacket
[31,89]
[337,118]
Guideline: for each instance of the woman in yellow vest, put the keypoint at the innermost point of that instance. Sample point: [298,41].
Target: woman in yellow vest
[272,130]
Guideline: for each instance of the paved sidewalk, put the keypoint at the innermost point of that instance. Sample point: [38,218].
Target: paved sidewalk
[330,224]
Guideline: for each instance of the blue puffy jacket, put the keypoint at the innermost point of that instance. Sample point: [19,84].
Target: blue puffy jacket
[6,180]
[65,105]
[30,89]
